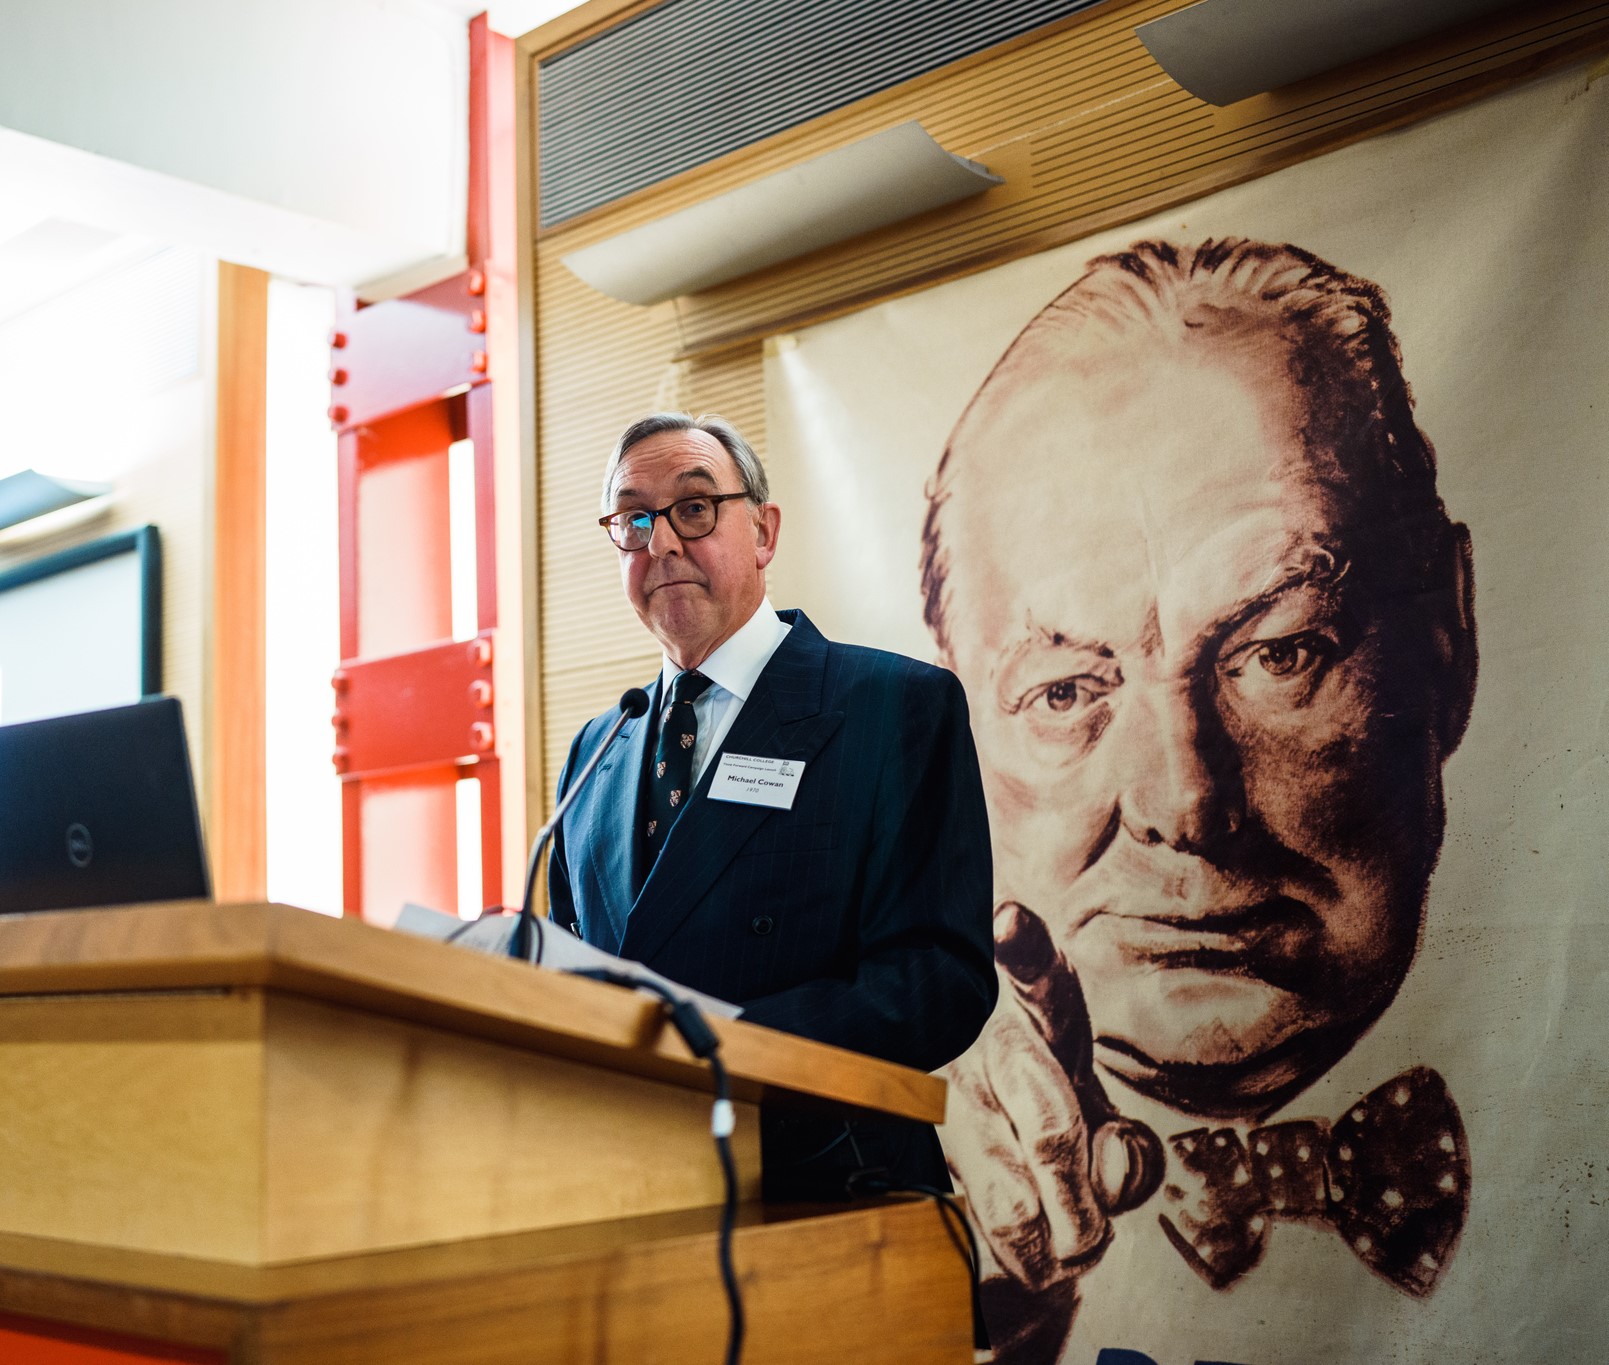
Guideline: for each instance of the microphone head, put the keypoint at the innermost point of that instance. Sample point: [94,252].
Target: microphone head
[634,701]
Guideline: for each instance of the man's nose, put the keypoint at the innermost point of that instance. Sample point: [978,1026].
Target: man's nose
[1181,783]
[662,539]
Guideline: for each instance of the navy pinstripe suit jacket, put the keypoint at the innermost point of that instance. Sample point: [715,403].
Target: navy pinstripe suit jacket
[860,917]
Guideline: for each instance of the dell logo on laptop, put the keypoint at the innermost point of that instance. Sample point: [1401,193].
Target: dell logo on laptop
[80,847]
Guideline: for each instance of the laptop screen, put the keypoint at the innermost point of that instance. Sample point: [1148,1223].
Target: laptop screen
[99,809]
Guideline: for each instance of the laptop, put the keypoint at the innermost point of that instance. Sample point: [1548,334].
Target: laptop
[99,809]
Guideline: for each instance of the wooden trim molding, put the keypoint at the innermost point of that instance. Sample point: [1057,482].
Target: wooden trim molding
[237,826]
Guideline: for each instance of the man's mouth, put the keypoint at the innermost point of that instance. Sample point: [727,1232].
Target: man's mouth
[1217,938]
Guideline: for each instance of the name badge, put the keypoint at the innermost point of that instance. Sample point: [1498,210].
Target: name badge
[756,781]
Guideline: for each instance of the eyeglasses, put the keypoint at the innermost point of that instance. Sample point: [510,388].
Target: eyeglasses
[691,518]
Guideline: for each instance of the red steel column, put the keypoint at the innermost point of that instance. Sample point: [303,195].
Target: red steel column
[414,709]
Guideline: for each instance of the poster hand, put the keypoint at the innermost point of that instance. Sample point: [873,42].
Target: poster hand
[1047,1161]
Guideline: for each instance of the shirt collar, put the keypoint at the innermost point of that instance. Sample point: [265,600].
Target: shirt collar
[736,666]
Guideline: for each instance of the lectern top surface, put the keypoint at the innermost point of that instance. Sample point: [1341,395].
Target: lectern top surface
[187,946]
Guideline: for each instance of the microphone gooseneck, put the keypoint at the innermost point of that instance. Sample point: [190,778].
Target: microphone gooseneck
[633,702]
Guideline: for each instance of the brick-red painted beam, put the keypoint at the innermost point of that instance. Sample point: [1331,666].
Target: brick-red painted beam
[407,351]
[347,463]
[491,145]
[32,1341]
[407,377]
[478,414]
[489,771]
[351,848]
[416,710]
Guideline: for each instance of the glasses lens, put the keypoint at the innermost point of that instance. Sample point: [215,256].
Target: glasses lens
[693,517]
[630,530]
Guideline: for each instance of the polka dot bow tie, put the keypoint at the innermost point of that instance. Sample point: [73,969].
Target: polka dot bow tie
[1391,1177]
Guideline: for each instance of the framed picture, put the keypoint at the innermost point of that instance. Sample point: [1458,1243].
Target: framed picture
[82,629]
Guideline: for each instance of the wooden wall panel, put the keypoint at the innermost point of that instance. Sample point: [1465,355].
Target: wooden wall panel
[610,364]
[599,364]
[1088,133]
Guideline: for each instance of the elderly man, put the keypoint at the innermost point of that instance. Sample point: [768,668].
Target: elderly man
[1186,553]
[797,826]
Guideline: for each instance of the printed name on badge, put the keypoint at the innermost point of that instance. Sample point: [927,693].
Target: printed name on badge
[756,781]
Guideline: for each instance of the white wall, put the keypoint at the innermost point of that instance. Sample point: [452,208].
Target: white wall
[317,139]
[112,381]
[303,615]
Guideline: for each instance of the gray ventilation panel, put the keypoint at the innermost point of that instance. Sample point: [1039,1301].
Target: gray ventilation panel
[691,80]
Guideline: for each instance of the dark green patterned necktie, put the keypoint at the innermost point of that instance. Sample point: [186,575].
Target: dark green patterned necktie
[670,781]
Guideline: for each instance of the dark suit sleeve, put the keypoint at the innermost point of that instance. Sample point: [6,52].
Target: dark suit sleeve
[924,981]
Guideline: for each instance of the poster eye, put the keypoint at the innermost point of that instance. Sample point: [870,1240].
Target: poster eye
[1283,657]
[1067,694]
[1068,697]
[1293,655]
[1285,669]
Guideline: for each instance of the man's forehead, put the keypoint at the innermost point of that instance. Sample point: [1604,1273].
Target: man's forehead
[673,459]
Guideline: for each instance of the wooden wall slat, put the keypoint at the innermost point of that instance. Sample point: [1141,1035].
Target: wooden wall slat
[599,363]
[1089,133]
[575,695]
[1151,144]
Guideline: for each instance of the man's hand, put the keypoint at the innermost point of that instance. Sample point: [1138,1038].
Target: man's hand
[1034,1144]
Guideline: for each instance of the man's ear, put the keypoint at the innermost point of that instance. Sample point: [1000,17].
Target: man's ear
[767,523]
[1457,656]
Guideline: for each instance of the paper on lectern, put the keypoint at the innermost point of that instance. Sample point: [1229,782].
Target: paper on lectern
[556,948]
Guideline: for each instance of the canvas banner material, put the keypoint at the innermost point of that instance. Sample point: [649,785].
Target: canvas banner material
[1268,537]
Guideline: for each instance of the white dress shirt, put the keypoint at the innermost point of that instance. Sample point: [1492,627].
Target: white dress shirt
[733,670]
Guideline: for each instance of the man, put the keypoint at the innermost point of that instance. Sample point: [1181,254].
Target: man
[1185,552]
[850,904]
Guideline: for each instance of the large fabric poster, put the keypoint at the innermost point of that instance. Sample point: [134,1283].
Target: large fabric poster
[1269,540]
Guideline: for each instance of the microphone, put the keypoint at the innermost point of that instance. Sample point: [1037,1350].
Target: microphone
[633,702]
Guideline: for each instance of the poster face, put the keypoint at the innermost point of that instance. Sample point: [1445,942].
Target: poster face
[1268,539]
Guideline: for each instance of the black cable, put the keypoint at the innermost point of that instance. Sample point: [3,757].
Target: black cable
[703,1043]
[949,1206]
[723,1148]
[525,927]
[469,924]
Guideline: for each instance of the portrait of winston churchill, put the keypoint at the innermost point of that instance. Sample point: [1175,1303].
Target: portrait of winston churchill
[1186,553]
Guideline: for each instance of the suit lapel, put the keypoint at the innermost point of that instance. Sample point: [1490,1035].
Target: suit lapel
[782,718]
[604,817]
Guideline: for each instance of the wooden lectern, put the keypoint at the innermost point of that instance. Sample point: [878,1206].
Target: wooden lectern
[249,1133]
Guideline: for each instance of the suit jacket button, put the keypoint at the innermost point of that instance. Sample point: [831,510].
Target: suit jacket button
[762,925]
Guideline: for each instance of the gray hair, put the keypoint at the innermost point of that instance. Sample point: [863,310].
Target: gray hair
[749,469]
[1340,350]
